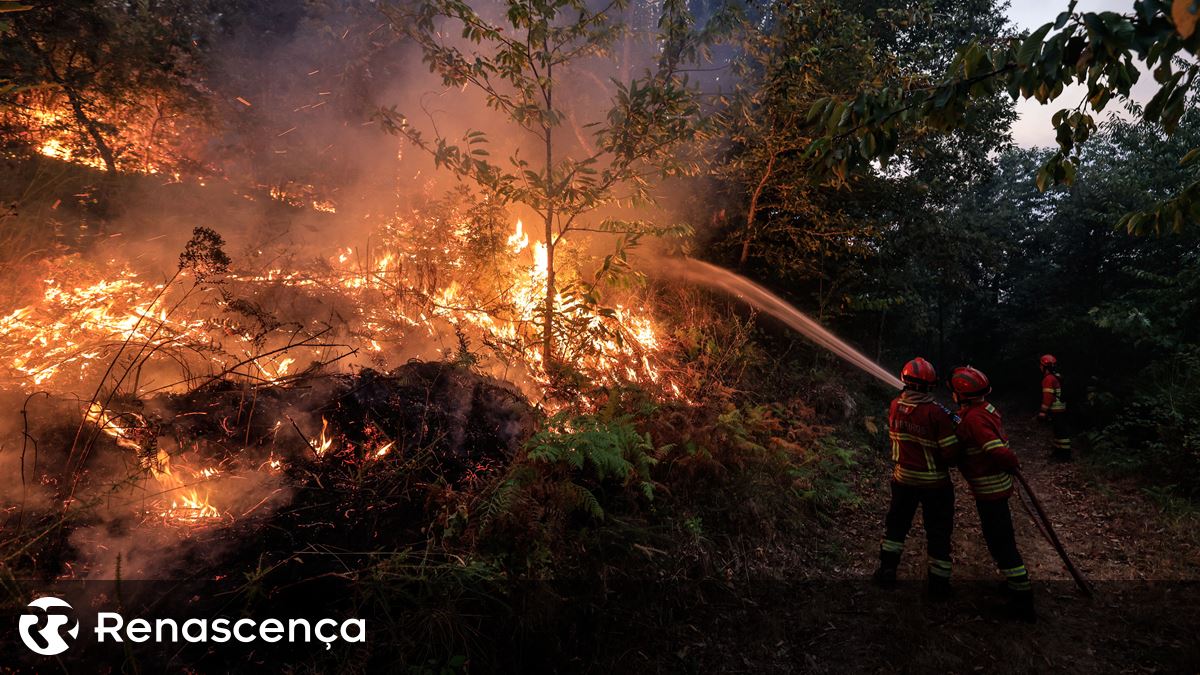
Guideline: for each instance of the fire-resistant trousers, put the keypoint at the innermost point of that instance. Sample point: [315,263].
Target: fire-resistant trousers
[995,519]
[937,510]
[1062,435]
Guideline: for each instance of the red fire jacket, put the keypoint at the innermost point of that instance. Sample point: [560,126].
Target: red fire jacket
[1052,400]
[986,458]
[923,440]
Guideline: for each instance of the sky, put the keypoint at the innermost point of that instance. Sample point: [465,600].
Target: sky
[1033,128]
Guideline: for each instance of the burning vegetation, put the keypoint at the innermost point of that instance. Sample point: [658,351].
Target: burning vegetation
[223,370]
[394,304]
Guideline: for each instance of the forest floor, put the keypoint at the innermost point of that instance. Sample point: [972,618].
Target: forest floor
[1113,530]
[1142,559]
[825,616]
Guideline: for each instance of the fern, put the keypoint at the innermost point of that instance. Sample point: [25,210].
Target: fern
[504,497]
[597,449]
[586,500]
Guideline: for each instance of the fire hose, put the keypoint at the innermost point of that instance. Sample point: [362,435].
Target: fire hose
[1047,530]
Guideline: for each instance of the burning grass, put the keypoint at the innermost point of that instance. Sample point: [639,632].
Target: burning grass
[209,400]
[264,325]
[213,464]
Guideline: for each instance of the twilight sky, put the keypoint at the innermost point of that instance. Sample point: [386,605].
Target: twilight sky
[1033,127]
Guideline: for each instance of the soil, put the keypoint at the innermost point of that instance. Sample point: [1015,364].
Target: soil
[1142,561]
[1113,530]
[808,605]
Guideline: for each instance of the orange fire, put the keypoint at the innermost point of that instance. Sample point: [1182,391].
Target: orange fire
[172,337]
[188,506]
[322,444]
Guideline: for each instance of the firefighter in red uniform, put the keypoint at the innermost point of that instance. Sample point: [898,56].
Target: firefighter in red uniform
[923,447]
[987,464]
[1054,409]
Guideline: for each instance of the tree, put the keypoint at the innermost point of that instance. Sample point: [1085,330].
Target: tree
[1095,49]
[829,243]
[520,63]
[101,54]
[782,64]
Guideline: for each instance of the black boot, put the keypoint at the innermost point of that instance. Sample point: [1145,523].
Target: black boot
[1020,606]
[940,588]
[885,576]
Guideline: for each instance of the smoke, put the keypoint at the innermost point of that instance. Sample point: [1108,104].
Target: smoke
[292,169]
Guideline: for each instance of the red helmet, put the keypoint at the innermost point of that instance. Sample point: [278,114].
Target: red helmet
[1048,361]
[919,371]
[969,382]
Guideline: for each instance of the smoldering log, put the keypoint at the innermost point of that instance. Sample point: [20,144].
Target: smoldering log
[460,417]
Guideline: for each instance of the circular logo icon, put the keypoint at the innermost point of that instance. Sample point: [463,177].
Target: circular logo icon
[44,624]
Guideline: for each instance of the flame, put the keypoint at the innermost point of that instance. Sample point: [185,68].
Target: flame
[71,331]
[518,240]
[190,508]
[322,444]
[97,415]
[68,329]
[187,506]
[55,149]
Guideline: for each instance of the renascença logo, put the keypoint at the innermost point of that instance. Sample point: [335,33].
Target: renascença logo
[42,628]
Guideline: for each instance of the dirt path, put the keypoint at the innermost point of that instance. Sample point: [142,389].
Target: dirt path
[1112,530]
[1144,565]
[820,614]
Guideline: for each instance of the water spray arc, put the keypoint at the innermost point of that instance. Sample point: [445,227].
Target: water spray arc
[704,274]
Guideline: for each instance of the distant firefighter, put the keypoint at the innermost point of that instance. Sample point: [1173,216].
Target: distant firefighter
[1054,409]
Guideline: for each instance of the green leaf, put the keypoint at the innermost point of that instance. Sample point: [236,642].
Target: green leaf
[1032,45]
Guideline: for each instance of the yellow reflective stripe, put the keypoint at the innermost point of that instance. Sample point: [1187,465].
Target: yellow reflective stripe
[914,477]
[1014,571]
[990,484]
[1058,405]
[995,443]
[892,546]
[915,473]
[948,441]
[897,436]
[1048,391]
[939,567]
